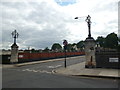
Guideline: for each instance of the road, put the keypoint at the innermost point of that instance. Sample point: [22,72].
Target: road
[41,76]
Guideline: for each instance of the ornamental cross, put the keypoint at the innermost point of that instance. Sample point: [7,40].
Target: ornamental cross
[15,35]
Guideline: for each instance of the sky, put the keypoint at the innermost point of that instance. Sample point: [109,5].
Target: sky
[40,23]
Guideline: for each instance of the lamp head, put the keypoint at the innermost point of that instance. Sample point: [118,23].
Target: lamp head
[76,17]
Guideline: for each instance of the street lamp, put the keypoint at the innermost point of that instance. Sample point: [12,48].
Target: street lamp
[88,20]
[15,35]
[89,25]
[76,17]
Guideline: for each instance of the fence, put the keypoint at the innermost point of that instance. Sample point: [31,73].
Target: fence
[107,59]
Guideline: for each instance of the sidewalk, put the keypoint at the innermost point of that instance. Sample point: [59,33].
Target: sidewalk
[28,63]
[80,70]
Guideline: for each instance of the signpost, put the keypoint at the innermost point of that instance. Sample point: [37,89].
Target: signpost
[65,43]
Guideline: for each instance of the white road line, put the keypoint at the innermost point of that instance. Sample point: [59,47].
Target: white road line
[54,66]
[23,70]
[50,66]
[58,66]
[41,71]
[28,70]
[35,71]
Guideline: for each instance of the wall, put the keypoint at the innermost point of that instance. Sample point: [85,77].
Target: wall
[28,57]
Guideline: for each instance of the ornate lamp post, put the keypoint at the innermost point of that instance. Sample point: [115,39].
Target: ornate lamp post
[15,35]
[88,20]
[89,46]
[89,25]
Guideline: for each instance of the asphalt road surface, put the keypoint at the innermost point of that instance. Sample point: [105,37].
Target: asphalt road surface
[42,76]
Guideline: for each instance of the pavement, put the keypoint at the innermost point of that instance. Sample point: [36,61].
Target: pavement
[80,70]
[75,70]
[28,63]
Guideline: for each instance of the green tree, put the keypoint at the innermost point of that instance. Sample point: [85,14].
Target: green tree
[32,50]
[46,49]
[111,41]
[56,46]
[81,44]
[74,46]
[69,47]
[101,41]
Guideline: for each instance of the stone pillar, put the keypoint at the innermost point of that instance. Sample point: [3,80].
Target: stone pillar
[90,53]
[14,53]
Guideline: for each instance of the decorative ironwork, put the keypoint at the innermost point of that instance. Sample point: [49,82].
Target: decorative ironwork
[89,25]
[15,35]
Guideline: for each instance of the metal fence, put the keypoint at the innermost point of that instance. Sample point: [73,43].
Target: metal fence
[107,59]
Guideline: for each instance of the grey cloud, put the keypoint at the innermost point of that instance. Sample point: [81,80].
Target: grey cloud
[119,19]
[42,38]
[40,24]
[27,22]
[110,6]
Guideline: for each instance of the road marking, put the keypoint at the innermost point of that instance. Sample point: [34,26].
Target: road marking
[28,70]
[58,66]
[54,66]
[50,66]
[35,71]
[23,70]
[41,71]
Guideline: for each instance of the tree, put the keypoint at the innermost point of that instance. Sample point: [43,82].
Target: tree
[32,50]
[69,47]
[101,41]
[111,41]
[56,46]
[46,49]
[74,47]
[81,44]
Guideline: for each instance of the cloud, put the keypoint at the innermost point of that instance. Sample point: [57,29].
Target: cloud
[38,27]
[119,19]
[41,23]
[65,2]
